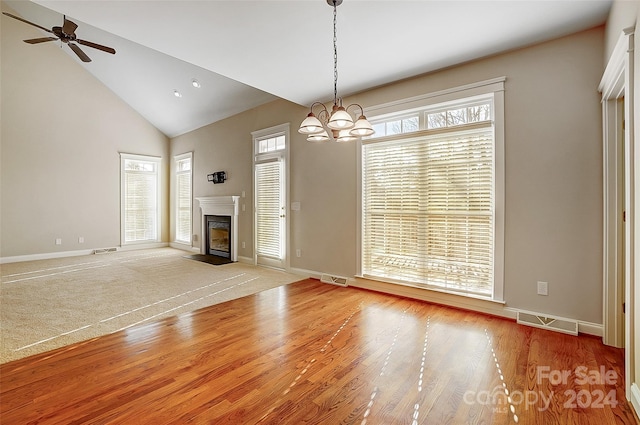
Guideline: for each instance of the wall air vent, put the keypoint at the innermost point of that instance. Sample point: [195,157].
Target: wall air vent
[104,250]
[334,280]
[552,323]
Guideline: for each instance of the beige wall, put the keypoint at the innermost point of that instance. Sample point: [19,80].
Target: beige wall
[553,173]
[62,131]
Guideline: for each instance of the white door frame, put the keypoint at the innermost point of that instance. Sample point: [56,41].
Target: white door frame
[282,155]
[618,330]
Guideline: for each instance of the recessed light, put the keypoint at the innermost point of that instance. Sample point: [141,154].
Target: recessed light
[195,83]
[176,93]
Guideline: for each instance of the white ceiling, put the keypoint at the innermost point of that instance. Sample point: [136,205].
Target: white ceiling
[247,53]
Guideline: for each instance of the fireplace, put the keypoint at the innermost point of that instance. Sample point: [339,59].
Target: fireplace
[219,226]
[218,235]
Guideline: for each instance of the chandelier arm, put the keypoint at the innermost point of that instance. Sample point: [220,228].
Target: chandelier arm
[323,115]
[357,106]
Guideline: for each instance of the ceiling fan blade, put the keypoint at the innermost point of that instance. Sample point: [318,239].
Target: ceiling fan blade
[96,46]
[83,57]
[27,22]
[40,40]
[69,27]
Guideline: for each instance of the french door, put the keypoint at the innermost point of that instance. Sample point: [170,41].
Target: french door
[270,213]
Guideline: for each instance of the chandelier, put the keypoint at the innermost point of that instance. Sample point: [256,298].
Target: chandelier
[338,124]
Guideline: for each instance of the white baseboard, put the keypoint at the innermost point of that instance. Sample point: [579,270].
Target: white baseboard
[589,328]
[45,256]
[245,260]
[305,273]
[185,247]
[635,397]
[77,253]
[135,247]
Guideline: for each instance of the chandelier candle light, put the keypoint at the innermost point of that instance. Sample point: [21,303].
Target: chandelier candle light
[339,123]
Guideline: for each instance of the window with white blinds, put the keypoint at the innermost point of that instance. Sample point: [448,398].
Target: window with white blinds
[183,198]
[429,205]
[140,198]
[269,209]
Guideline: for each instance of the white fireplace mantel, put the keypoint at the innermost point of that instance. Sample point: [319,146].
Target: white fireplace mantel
[223,206]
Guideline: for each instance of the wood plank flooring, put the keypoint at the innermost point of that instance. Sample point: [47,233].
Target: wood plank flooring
[311,353]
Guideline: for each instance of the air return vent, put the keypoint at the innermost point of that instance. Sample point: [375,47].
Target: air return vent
[334,280]
[104,250]
[543,321]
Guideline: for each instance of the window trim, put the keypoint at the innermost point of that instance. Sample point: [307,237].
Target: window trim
[438,99]
[176,159]
[142,158]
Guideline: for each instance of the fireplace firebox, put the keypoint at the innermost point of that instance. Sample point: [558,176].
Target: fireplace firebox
[218,235]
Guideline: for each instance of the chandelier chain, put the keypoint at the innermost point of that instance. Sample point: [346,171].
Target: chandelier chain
[335,54]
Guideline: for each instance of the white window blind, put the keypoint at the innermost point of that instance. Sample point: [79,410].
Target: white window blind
[183,199]
[269,209]
[140,199]
[428,209]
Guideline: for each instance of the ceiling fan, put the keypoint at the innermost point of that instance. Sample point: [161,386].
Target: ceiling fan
[66,34]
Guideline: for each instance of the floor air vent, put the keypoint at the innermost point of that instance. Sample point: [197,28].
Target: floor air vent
[104,250]
[558,324]
[334,280]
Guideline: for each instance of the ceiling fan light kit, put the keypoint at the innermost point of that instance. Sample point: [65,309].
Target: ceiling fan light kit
[67,35]
[338,124]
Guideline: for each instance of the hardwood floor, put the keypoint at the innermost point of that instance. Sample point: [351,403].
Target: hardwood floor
[311,353]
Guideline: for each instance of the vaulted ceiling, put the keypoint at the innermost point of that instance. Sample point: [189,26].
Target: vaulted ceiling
[247,53]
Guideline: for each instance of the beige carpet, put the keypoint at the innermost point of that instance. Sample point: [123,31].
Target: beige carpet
[48,304]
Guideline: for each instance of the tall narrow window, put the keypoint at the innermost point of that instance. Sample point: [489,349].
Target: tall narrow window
[183,198]
[431,202]
[140,198]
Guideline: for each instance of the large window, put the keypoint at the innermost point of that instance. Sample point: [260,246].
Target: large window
[140,198]
[432,197]
[183,198]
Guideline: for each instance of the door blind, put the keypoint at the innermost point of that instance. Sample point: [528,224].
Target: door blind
[268,209]
[428,210]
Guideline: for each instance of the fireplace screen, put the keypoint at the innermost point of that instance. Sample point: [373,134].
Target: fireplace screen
[218,235]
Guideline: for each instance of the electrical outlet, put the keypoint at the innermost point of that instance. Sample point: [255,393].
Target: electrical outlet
[298,253]
[58,241]
[543,288]
[244,245]
[81,239]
